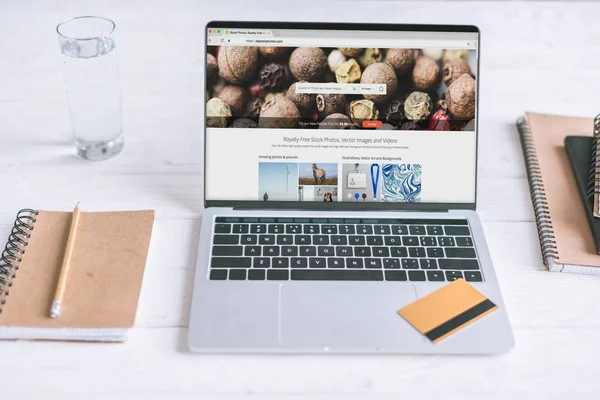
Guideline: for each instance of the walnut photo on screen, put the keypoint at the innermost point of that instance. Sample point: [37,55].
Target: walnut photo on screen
[426,89]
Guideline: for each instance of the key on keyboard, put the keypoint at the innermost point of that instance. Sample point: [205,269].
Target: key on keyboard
[343,249]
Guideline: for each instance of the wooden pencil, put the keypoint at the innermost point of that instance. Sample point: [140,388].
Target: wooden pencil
[66,265]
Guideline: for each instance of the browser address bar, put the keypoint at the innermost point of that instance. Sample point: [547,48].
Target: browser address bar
[350,42]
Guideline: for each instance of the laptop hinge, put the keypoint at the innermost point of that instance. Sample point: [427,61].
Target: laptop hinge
[285,209]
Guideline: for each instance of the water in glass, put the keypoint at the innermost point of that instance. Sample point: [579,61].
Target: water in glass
[91,74]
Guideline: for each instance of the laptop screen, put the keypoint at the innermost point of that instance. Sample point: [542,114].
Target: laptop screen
[337,115]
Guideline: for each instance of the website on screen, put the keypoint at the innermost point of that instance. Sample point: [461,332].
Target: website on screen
[329,116]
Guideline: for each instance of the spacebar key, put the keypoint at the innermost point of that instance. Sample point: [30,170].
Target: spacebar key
[336,275]
[455,263]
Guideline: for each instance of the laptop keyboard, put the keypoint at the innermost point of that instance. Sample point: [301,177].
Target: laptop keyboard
[340,249]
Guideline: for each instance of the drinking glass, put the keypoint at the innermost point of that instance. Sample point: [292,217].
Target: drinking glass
[91,72]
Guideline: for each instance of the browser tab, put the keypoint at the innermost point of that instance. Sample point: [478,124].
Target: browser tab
[251,33]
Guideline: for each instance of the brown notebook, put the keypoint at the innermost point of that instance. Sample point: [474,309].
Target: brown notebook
[566,240]
[104,281]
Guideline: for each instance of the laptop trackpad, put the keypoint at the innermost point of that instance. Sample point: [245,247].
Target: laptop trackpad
[349,315]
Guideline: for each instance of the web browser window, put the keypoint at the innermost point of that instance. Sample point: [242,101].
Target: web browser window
[341,116]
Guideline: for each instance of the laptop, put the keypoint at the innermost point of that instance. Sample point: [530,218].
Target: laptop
[340,186]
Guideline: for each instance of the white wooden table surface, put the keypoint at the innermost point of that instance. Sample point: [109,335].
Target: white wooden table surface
[537,56]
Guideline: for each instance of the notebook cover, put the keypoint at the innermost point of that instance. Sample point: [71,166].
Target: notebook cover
[580,149]
[575,245]
[105,278]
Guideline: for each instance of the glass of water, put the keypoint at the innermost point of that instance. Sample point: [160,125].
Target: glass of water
[91,69]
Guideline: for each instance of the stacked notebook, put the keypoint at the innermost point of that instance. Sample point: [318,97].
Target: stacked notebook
[560,157]
[107,267]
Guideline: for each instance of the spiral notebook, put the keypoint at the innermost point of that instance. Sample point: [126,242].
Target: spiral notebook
[581,149]
[594,188]
[104,282]
[566,241]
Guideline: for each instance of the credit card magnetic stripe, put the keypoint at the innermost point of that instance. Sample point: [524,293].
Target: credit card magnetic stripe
[462,320]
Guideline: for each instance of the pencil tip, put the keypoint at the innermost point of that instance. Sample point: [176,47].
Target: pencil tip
[55,310]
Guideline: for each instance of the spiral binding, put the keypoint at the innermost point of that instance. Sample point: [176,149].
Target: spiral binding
[14,250]
[594,175]
[538,195]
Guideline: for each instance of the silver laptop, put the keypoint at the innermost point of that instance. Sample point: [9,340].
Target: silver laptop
[340,186]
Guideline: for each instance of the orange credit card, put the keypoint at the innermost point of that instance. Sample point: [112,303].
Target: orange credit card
[447,310]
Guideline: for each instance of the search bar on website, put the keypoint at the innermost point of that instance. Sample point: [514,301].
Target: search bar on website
[341,88]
